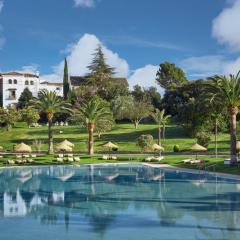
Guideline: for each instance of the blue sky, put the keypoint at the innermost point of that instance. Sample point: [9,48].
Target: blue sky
[199,35]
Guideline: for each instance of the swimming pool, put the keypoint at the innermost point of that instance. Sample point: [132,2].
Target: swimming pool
[116,202]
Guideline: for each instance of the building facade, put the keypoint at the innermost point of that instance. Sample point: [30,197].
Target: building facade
[12,84]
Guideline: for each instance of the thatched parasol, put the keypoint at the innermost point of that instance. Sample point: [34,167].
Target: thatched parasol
[110,145]
[198,148]
[22,148]
[237,146]
[64,147]
[67,143]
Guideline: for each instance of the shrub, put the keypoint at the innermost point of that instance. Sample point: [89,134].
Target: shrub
[176,148]
[145,142]
[203,138]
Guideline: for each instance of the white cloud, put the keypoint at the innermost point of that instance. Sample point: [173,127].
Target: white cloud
[84,3]
[206,66]
[80,56]
[203,66]
[145,77]
[226,26]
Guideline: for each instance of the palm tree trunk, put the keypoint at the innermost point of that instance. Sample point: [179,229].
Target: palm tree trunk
[90,139]
[159,135]
[50,137]
[233,133]
[164,129]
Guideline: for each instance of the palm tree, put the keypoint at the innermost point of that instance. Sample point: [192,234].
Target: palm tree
[226,90]
[92,112]
[161,120]
[50,104]
[164,122]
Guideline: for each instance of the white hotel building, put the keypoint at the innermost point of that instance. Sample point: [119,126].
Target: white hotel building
[12,85]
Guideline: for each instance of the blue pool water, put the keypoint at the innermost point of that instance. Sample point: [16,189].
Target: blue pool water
[116,202]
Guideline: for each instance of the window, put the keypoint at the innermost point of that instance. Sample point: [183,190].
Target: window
[26,82]
[58,88]
[31,83]
[15,81]
[9,81]
[12,94]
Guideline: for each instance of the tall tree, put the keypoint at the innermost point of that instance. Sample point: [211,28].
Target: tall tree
[8,117]
[50,104]
[29,115]
[169,76]
[138,110]
[25,98]
[160,119]
[100,73]
[66,86]
[99,69]
[226,89]
[120,106]
[92,112]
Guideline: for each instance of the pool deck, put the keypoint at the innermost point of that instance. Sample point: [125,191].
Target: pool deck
[167,166]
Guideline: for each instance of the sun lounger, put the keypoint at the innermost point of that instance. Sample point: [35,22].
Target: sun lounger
[19,161]
[76,159]
[70,155]
[60,155]
[26,156]
[186,160]
[70,159]
[33,156]
[159,158]
[114,157]
[1,156]
[10,162]
[104,157]
[195,161]
[149,159]
[30,161]
[59,159]
[18,156]
[227,161]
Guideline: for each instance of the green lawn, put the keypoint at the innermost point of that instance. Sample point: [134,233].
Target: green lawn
[122,134]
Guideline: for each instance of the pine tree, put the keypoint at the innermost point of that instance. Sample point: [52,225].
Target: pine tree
[66,86]
[100,71]
[25,98]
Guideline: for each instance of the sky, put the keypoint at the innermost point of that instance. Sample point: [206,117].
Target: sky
[200,36]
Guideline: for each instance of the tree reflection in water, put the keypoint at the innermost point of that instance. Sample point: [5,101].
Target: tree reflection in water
[115,196]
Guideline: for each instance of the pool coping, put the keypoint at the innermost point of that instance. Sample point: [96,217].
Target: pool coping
[156,165]
[188,170]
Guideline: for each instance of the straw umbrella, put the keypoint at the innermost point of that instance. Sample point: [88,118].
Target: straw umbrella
[157,148]
[22,148]
[64,147]
[238,147]
[110,146]
[198,148]
[66,142]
